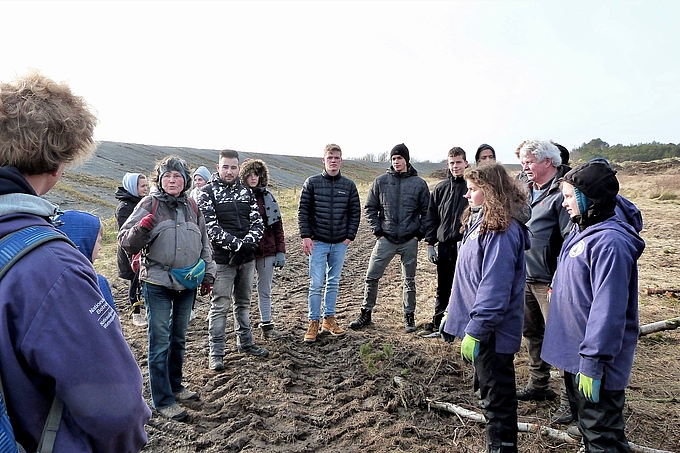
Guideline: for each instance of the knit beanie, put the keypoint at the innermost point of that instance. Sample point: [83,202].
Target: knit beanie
[202,172]
[596,180]
[174,164]
[401,150]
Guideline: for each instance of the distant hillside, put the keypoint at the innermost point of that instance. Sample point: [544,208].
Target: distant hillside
[642,152]
[92,185]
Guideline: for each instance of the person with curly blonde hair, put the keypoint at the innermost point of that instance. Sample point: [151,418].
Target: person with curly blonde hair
[59,339]
[486,308]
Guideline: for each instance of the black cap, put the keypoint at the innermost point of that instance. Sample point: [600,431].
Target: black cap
[401,150]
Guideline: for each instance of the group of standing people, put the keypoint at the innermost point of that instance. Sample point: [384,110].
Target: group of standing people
[564,276]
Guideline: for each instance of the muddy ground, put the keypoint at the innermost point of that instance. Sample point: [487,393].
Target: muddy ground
[324,397]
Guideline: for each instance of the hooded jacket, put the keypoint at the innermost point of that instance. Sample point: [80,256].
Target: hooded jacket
[592,324]
[177,240]
[329,209]
[126,204]
[549,225]
[447,203]
[273,239]
[58,335]
[396,205]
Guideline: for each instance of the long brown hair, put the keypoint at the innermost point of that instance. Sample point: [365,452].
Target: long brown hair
[504,198]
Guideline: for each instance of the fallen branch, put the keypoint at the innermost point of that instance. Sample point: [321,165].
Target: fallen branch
[667,291]
[552,433]
[668,324]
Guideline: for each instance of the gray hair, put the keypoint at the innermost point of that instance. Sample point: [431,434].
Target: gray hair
[542,150]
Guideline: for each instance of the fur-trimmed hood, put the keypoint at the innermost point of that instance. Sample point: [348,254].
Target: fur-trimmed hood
[255,166]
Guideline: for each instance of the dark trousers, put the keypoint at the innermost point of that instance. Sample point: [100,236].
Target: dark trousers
[447,254]
[495,380]
[134,291]
[601,424]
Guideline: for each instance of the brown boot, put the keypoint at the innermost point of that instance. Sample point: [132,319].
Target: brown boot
[331,326]
[312,332]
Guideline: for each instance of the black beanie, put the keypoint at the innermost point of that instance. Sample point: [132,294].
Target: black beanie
[596,180]
[481,148]
[400,150]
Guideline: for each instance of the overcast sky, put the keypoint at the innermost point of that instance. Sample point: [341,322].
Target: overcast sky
[289,77]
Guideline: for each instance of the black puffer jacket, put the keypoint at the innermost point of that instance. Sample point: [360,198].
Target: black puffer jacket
[447,203]
[396,206]
[329,209]
[126,204]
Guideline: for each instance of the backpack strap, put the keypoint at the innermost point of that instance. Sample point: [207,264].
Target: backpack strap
[12,248]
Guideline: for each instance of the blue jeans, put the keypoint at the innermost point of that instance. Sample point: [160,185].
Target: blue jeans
[167,312]
[382,254]
[237,283]
[326,262]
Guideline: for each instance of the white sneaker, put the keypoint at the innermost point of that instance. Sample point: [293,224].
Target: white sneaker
[139,320]
[192,316]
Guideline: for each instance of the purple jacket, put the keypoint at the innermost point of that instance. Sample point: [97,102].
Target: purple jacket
[488,287]
[592,324]
[57,334]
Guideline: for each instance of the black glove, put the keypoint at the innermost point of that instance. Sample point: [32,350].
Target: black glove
[248,250]
[208,279]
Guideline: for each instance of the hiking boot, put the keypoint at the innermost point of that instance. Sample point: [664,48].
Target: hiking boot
[331,326]
[529,394]
[186,395]
[174,412]
[562,415]
[268,332]
[364,319]
[574,432]
[139,320]
[254,350]
[410,322]
[312,331]
[216,363]
[426,330]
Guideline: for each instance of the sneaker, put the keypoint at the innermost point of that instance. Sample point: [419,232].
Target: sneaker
[312,331]
[139,320]
[529,394]
[562,416]
[362,320]
[174,412]
[216,363]
[254,350]
[192,316]
[186,395]
[331,326]
[410,322]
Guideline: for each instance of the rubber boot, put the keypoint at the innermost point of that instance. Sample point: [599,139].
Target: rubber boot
[268,332]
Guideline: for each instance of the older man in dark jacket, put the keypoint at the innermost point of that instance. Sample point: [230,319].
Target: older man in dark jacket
[328,218]
[395,208]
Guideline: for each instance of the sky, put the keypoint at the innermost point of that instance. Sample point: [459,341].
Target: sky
[288,77]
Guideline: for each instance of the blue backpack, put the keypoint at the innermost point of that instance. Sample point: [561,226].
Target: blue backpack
[12,248]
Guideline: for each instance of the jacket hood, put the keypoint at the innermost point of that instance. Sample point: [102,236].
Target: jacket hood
[255,166]
[637,244]
[82,228]
[12,181]
[130,182]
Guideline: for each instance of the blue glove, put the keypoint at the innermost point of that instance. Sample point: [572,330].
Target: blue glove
[589,387]
[469,349]
[431,254]
[280,260]
[445,335]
